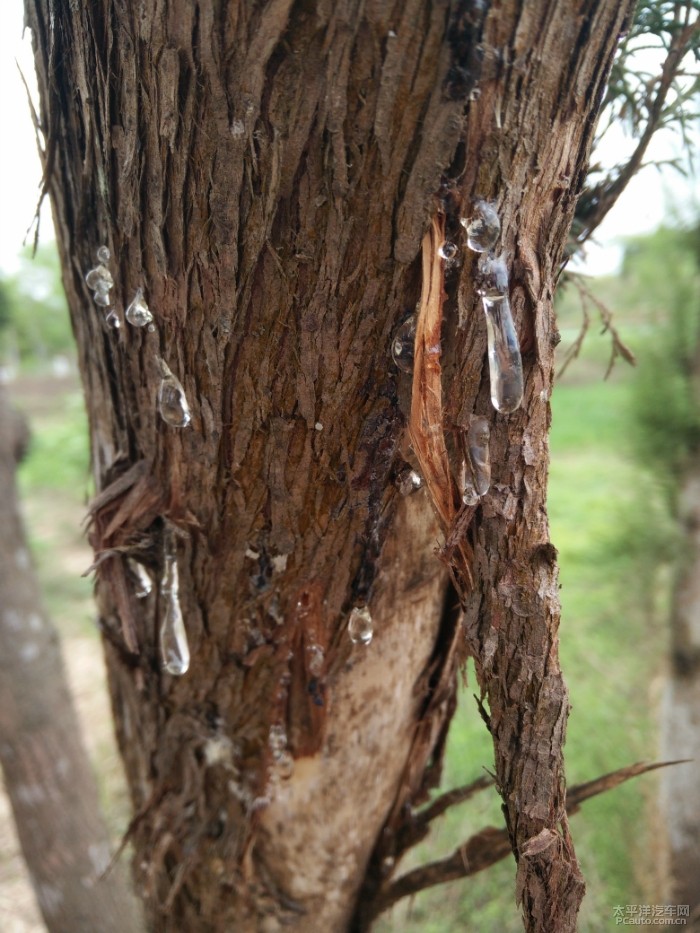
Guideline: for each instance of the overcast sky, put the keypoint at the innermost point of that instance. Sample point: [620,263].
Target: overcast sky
[650,198]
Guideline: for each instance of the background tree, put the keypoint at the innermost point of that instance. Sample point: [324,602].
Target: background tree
[267,176]
[667,415]
[45,766]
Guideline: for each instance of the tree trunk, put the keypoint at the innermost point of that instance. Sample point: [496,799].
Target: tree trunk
[680,710]
[267,173]
[47,772]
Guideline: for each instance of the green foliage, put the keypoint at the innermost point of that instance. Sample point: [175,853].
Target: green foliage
[5,306]
[631,90]
[58,452]
[654,85]
[665,408]
[34,321]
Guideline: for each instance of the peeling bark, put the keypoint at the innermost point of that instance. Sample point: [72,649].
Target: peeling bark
[267,173]
[45,765]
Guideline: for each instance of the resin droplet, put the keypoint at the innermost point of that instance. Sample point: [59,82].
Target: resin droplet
[99,277]
[112,321]
[103,254]
[448,251]
[483,228]
[492,277]
[284,763]
[172,402]
[478,443]
[102,298]
[408,481]
[505,362]
[315,660]
[174,650]
[470,496]
[475,94]
[142,580]
[360,626]
[403,345]
[138,313]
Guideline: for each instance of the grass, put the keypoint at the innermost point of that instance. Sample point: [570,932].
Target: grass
[54,485]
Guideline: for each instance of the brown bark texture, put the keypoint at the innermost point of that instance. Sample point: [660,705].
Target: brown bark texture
[269,173]
[46,768]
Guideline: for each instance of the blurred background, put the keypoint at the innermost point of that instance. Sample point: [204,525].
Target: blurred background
[621,444]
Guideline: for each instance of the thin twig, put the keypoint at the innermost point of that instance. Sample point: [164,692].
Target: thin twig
[491,845]
[603,196]
[451,798]
[618,346]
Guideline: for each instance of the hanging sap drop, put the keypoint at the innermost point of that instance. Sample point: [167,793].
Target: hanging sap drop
[482,228]
[505,362]
[99,277]
[492,276]
[142,580]
[478,443]
[172,402]
[112,321]
[102,298]
[103,254]
[408,481]
[469,494]
[360,626]
[138,312]
[174,650]
[448,251]
[283,761]
[315,659]
[403,345]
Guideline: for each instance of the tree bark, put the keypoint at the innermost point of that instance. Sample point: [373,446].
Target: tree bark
[47,772]
[267,173]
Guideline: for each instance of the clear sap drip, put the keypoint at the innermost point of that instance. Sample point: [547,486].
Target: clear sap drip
[172,402]
[99,277]
[482,228]
[138,313]
[283,761]
[492,276]
[408,481]
[403,345]
[360,626]
[112,321]
[469,495]
[315,659]
[174,650]
[102,298]
[448,251]
[505,362]
[103,254]
[479,457]
[143,583]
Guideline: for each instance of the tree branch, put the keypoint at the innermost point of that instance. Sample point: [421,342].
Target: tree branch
[618,346]
[595,204]
[491,845]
